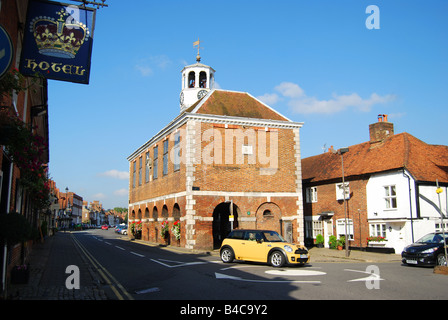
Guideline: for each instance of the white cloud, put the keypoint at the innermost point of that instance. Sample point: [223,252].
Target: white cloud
[147,65]
[269,98]
[301,103]
[290,90]
[122,175]
[121,192]
[144,70]
[99,196]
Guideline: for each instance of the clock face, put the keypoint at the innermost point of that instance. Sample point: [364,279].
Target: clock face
[181,98]
[202,93]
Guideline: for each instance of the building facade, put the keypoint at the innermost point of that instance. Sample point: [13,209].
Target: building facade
[226,161]
[23,139]
[391,198]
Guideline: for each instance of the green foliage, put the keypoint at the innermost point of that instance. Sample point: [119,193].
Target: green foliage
[14,228]
[333,242]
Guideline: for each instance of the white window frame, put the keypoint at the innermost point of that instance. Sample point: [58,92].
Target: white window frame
[311,195]
[390,199]
[377,230]
[340,229]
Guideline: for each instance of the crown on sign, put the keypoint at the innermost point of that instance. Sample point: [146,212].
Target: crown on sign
[60,38]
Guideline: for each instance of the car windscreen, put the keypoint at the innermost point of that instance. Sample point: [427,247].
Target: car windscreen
[431,238]
[272,236]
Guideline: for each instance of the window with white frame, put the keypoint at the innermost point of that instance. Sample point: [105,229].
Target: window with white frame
[378,230]
[390,197]
[311,194]
[313,227]
[340,191]
[147,167]
[140,171]
[439,227]
[134,174]
[340,228]
[177,151]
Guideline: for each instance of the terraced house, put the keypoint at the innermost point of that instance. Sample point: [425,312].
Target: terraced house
[226,161]
[390,190]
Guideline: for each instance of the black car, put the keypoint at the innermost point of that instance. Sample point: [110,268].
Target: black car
[428,251]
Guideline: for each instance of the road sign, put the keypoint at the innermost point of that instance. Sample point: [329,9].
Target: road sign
[6,51]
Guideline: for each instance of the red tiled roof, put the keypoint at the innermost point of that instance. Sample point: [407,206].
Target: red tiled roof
[425,162]
[235,104]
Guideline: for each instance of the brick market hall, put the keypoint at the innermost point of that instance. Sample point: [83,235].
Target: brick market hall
[226,161]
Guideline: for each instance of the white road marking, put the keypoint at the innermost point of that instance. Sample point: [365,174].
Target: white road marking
[295,273]
[225,276]
[137,254]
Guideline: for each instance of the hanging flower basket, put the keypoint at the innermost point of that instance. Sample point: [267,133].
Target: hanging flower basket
[164,232]
[26,150]
[136,229]
[176,230]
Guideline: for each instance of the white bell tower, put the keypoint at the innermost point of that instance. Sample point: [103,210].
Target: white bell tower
[197,80]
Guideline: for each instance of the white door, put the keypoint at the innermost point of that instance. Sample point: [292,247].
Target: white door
[328,231]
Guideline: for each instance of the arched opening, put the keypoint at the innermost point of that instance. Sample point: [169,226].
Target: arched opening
[132,215]
[203,79]
[222,224]
[155,216]
[176,212]
[139,215]
[191,79]
[165,212]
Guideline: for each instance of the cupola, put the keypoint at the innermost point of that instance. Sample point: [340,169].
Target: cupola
[197,81]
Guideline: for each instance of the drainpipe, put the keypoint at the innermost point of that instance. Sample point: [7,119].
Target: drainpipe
[410,203]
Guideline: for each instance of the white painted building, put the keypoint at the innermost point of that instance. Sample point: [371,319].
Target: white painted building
[392,190]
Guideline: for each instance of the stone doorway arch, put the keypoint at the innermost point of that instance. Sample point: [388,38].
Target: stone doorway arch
[221,222]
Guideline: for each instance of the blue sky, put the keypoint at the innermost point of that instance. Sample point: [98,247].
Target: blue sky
[313,61]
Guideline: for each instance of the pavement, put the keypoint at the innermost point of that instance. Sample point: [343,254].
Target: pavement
[47,280]
[49,260]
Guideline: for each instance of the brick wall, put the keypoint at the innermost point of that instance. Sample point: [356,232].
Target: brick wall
[356,207]
[214,170]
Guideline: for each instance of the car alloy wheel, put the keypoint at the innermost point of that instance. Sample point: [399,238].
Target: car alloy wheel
[441,261]
[227,255]
[277,259]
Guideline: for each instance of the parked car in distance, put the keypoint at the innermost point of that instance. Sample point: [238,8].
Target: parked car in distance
[262,246]
[121,229]
[104,227]
[427,251]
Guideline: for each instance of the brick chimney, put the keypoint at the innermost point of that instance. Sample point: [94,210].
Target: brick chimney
[381,129]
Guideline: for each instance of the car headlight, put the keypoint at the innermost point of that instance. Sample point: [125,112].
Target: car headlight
[430,250]
[288,248]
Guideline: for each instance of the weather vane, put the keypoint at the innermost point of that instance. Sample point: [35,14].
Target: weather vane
[198,44]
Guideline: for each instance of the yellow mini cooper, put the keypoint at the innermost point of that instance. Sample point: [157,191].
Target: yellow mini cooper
[262,246]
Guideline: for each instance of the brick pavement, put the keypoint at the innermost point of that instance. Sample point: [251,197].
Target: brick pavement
[48,263]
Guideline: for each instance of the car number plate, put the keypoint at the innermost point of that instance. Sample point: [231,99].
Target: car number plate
[411,261]
[303,256]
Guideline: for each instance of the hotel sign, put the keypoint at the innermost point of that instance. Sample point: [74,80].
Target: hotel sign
[58,41]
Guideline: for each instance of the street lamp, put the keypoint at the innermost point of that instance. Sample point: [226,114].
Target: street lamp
[341,152]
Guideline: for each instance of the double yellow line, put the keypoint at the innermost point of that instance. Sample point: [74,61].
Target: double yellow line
[108,278]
